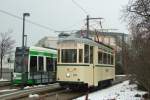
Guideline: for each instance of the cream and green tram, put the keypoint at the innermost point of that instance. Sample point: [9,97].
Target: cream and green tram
[84,62]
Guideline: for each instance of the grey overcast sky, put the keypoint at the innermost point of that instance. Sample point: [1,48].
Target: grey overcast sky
[58,15]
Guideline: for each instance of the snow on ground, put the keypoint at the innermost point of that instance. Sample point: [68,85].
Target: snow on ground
[7,90]
[33,95]
[28,87]
[122,91]
[3,79]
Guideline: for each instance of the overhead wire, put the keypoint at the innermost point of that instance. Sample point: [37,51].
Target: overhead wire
[39,25]
[31,22]
[78,5]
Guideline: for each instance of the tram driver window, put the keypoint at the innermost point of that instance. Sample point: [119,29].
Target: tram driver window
[33,63]
[69,55]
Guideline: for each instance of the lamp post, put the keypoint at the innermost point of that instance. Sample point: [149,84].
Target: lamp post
[24,78]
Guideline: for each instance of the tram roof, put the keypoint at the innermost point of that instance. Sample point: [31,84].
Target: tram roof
[85,41]
[42,49]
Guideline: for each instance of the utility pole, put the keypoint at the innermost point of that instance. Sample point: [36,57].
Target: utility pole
[88,22]
[23,51]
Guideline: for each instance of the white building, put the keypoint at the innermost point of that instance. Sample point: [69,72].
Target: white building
[48,41]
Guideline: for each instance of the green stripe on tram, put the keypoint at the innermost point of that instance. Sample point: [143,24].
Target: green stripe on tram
[35,53]
[18,81]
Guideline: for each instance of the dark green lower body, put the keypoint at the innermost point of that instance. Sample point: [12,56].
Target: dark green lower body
[19,82]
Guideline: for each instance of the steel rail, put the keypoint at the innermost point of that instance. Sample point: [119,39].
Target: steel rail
[26,92]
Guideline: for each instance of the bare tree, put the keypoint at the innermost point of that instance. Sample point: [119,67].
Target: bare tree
[6,46]
[137,55]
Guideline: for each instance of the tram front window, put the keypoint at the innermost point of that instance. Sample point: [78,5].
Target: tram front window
[18,63]
[69,55]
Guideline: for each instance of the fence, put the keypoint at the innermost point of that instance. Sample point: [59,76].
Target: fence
[6,74]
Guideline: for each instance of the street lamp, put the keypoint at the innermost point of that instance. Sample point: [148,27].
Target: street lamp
[24,76]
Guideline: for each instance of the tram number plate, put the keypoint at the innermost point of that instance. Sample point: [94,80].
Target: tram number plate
[74,74]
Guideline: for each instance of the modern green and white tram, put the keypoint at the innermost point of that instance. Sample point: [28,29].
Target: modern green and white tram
[37,66]
[84,62]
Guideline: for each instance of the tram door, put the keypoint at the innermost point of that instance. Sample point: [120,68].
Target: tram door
[40,64]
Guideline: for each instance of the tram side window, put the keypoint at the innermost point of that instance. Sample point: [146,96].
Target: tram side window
[112,59]
[54,64]
[91,54]
[41,64]
[109,59]
[100,56]
[86,53]
[49,64]
[80,55]
[33,63]
[58,59]
[104,58]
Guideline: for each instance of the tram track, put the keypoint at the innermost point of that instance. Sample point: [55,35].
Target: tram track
[50,92]
[68,94]
[62,94]
[25,92]
[5,83]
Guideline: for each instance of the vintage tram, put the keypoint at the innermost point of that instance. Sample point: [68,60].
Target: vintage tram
[34,65]
[84,62]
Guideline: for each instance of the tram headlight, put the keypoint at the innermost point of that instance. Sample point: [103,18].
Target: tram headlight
[67,75]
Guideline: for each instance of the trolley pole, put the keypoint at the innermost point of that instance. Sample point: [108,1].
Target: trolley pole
[88,22]
[23,50]
[87,19]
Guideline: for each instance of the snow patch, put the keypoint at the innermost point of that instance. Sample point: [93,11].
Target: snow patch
[7,90]
[28,87]
[122,91]
[33,95]
[3,79]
